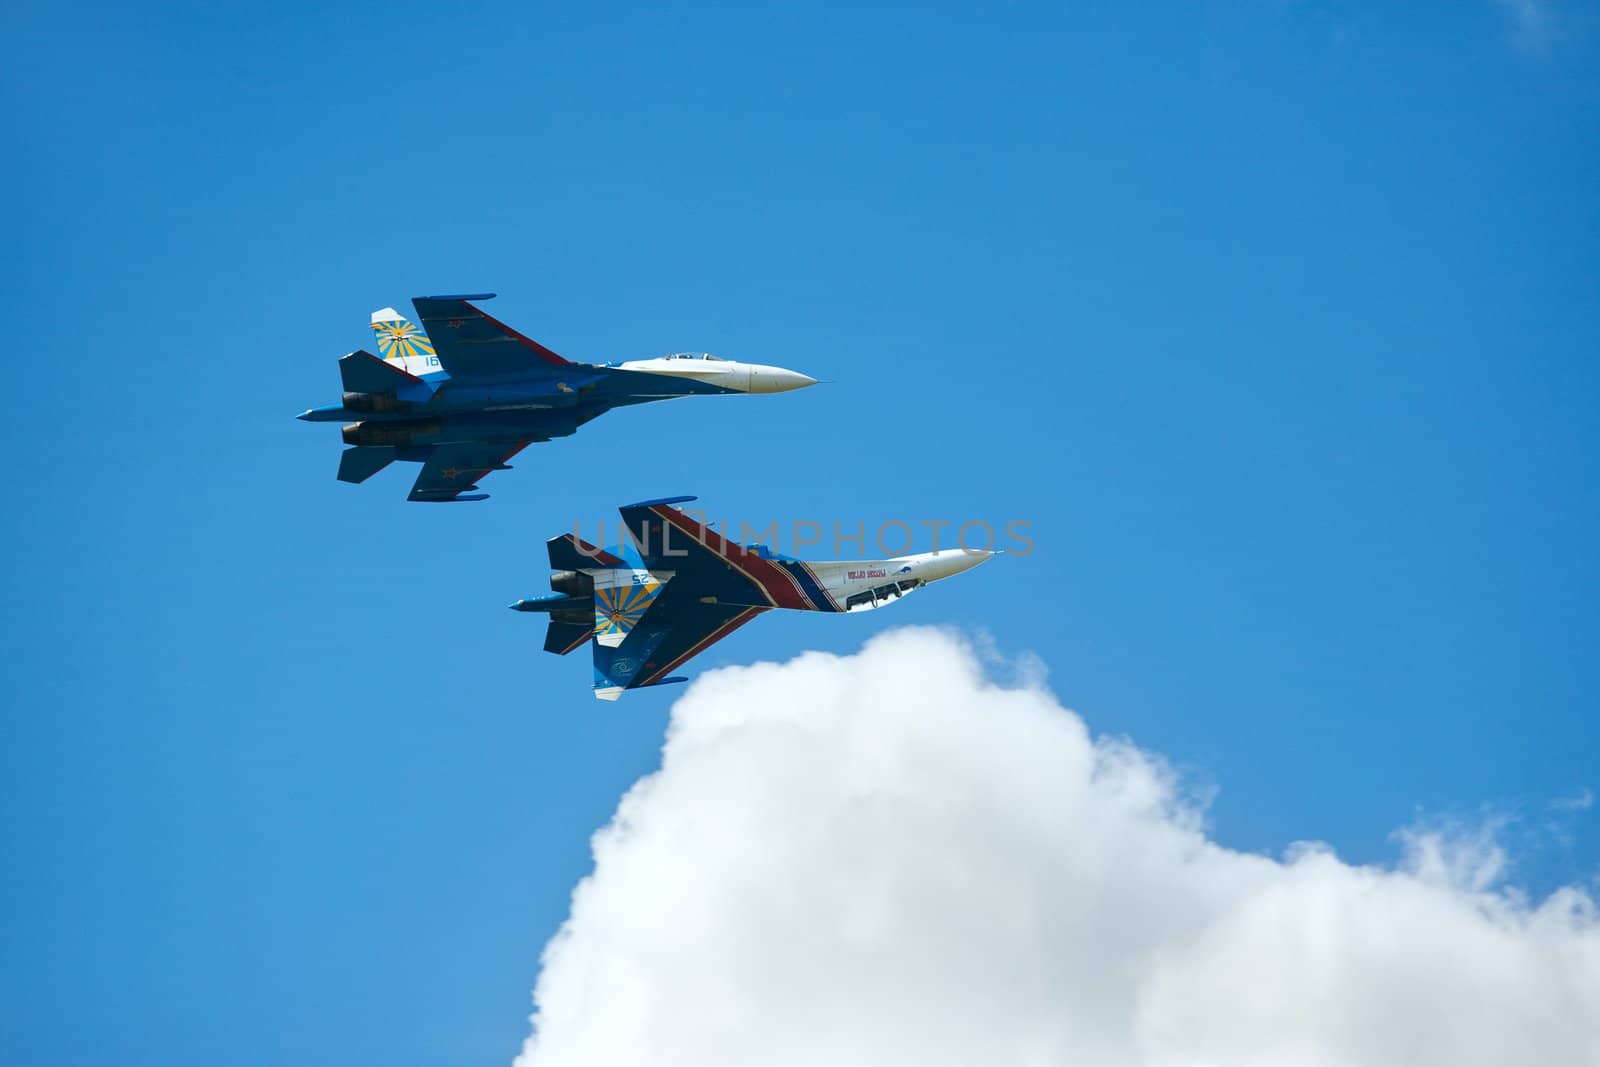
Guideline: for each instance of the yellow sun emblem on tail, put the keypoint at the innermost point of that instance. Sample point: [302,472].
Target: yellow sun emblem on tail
[619,608]
[398,339]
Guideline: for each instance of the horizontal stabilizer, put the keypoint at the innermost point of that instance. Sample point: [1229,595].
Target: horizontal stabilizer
[564,637]
[362,462]
[363,372]
[571,553]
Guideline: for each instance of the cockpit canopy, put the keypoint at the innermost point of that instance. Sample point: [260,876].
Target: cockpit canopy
[696,355]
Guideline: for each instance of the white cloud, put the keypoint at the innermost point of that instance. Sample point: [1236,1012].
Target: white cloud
[887,859]
[1582,800]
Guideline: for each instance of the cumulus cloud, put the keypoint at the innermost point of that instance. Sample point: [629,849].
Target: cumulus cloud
[888,858]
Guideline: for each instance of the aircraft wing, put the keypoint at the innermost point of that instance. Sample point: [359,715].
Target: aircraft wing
[677,627]
[694,629]
[455,469]
[724,570]
[473,344]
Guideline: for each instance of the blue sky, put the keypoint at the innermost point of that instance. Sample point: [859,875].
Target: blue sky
[1277,321]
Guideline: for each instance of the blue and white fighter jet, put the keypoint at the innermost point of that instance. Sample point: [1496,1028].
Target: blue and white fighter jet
[468,392]
[679,587]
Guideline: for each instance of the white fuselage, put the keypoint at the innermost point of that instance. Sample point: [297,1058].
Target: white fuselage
[845,585]
[861,585]
[727,373]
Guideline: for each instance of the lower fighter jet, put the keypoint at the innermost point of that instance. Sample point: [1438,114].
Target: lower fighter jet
[471,392]
[680,587]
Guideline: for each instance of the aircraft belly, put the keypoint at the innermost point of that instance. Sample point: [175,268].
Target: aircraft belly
[512,425]
[862,585]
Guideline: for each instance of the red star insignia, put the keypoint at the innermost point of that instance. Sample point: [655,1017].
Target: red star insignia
[451,473]
[454,324]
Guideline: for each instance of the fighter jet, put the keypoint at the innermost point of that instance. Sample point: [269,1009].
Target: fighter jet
[679,587]
[467,392]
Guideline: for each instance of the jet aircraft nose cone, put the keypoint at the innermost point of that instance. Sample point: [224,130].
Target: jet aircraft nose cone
[970,557]
[777,380]
[932,566]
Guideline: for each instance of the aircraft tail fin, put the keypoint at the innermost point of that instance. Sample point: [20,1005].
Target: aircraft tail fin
[619,666]
[362,462]
[609,690]
[619,608]
[403,343]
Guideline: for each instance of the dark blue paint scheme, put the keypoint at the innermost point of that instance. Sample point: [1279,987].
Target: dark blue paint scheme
[497,393]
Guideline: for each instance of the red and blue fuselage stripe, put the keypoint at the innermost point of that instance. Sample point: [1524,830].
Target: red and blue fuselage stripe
[809,584]
[780,587]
